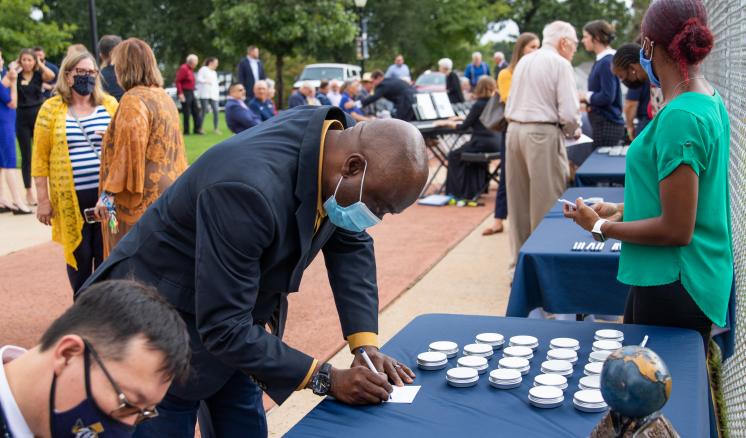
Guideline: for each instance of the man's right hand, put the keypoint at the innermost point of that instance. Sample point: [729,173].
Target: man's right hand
[359,386]
[182,99]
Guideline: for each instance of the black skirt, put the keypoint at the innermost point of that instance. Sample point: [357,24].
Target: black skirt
[465,180]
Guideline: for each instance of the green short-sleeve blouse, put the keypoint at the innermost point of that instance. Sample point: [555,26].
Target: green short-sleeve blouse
[693,130]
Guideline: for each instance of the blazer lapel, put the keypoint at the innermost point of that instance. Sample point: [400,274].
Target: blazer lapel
[306,189]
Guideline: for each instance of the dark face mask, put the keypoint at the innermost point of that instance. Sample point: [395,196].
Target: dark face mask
[85,420]
[84,84]
[633,83]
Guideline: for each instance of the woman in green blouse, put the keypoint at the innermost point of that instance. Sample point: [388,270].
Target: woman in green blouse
[675,222]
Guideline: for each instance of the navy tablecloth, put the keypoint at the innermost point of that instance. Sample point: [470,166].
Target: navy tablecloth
[601,169]
[482,411]
[550,275]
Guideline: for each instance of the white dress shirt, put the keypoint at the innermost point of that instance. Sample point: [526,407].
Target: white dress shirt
[17,424]
[207,84]
[254,63]
[543,90]
[334,98]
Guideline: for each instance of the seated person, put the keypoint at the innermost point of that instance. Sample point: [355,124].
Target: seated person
[262,104]
[305,95]
[100,369]
[238,116]
[350,91]
[321,94]
[465,180]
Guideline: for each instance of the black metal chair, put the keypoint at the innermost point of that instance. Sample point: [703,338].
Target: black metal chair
[485,158]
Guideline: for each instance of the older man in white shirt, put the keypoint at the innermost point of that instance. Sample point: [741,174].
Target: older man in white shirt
[543,110]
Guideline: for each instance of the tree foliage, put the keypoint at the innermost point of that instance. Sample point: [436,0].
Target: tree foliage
[283,27]
[18,30]
[174,28]
[427,30]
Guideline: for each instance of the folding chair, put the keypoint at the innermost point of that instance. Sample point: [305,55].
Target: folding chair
[485,158]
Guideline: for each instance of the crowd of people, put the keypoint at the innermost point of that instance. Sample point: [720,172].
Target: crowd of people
[104,147]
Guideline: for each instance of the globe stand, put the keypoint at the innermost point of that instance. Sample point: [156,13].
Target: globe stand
[615,425]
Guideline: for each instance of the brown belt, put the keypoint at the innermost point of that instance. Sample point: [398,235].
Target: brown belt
[557,124]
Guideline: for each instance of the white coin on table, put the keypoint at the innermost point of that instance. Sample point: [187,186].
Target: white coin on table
[505,375]
[461,373]
[593,368]
[599,356]
[443,346]
[570,343]
[524,340]
[476,362]
[562,354]
[516,351]
[490,338]
[609,334]
[555,380]
[429,357]
[478,349]
[590,382]
[606,345]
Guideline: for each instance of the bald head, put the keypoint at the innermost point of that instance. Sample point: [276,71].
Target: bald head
[396,160]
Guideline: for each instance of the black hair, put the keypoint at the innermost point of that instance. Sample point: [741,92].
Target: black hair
[106,44]
[376,74]
[323,84]
[626,55]
[111,313]
[209,60]
[38,49]
[234,85]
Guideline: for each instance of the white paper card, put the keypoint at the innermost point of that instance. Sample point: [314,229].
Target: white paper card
[582,140]
[404,394]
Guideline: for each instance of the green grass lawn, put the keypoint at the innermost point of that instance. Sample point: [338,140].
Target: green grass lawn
[195,145]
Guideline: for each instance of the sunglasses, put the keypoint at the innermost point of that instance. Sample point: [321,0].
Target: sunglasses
[125,409]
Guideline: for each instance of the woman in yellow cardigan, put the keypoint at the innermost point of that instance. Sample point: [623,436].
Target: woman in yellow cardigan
[65,165]
[526,43]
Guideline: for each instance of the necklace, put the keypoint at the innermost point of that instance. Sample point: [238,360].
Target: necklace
[685,81]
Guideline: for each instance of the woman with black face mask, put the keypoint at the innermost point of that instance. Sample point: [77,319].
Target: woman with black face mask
[67,147]
[643,101]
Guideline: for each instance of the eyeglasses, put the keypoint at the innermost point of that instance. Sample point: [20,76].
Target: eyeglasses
[84,72]
[125,409]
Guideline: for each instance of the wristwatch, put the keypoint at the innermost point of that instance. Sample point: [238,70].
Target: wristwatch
[321,382]
[597,234]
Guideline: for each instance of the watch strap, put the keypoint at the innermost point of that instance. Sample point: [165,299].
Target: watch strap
[597,229]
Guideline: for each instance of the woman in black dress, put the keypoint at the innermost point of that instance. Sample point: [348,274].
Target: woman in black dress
[465,180]
[31,78]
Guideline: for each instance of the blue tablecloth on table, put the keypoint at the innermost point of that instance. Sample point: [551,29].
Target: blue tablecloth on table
[550,275]
[601,169]
[442,411]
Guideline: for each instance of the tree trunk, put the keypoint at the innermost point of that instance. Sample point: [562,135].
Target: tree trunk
[279,86]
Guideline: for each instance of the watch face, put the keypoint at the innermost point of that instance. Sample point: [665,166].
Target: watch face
[321,384]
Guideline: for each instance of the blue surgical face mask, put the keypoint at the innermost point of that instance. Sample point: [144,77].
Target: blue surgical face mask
[356,217]
[647,65]
[86,420]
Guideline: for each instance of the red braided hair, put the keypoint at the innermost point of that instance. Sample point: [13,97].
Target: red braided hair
[679,26]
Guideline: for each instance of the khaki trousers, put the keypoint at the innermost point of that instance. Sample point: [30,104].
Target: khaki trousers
[537,172]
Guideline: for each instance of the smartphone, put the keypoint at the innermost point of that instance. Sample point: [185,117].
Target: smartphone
[90,215]
[568,203]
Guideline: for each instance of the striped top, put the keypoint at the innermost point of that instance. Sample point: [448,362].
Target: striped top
[85,162]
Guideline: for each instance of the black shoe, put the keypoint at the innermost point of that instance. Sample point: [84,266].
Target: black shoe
[17,210]
[5,209]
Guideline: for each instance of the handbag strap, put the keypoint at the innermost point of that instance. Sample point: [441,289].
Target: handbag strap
[85,134]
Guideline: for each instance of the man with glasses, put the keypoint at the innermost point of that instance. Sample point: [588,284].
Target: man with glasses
[100,368]
[238,116]
[542,110]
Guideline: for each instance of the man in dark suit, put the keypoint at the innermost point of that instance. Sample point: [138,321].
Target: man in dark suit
[228,241]
[238,116]
[400,93]
[250,70]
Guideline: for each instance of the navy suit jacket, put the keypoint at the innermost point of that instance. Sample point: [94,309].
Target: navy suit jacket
[296,99]
[399,93]
[228,241]
[239,118]
[246,76]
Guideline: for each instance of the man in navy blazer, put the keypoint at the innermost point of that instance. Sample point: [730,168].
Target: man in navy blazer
[399,92]
[230,239]
[250,70]
[238,116]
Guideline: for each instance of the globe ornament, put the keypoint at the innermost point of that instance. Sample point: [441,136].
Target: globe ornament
[636,384]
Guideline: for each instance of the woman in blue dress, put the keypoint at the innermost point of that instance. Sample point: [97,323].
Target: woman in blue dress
[8,171]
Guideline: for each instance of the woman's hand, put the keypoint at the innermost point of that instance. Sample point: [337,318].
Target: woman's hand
[101,212]
[608,210]
[582,215]
[44,211]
